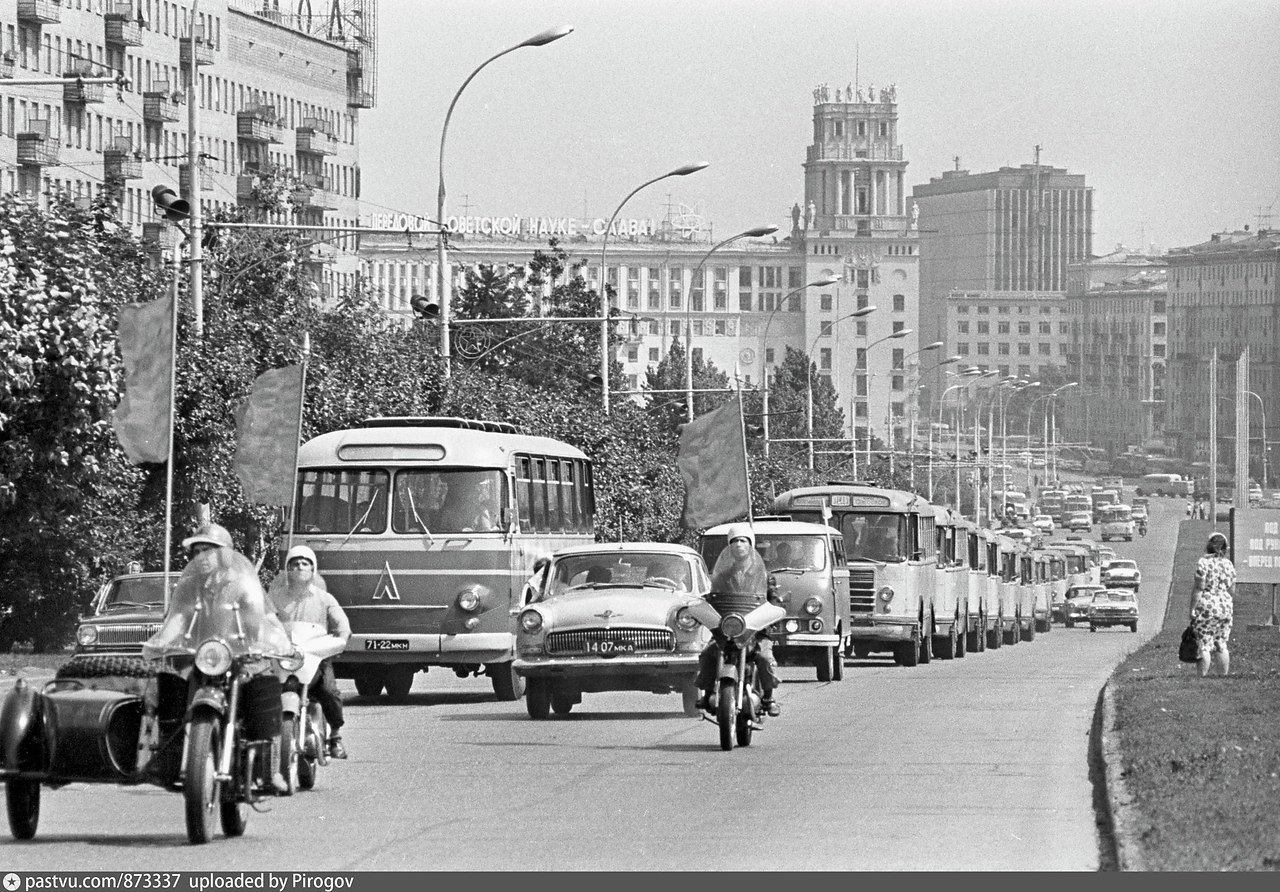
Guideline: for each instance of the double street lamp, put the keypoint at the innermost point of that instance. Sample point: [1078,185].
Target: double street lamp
[540,39]
[1052,420]
[866,355]
[825,329]
[757,232]
[682,171]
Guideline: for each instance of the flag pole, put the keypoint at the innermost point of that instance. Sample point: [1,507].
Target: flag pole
[746,467]
[302,398]
[168,465]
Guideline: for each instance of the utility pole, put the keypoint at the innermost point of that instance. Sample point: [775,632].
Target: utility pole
[193,175]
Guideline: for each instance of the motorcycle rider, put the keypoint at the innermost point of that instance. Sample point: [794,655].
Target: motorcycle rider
[739,568]
[298,597]
[209,537]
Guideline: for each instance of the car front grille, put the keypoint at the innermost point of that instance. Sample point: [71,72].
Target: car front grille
[862,589]
[131,633]
[645,640]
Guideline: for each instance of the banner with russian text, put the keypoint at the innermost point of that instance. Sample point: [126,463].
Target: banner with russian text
[713,465]
[143,416]
[267,436]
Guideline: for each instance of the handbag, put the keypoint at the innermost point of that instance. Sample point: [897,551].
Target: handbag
[1189,649]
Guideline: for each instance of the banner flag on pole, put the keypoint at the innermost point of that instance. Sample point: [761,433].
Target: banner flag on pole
[142,418]
[267,436]
[713,465]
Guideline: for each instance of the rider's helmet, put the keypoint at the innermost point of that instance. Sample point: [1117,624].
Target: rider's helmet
[209,534]
[741,531]
[301,551]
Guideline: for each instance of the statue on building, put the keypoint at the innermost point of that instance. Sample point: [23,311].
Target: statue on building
[817,95]
[915,216]
[812,216]
[795,216]
[871,93]
[848,93]
[884,95]
[893,92]
[826,93]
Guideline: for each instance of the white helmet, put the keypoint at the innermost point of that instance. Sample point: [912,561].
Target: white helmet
[209,534]
[742,531]
[301,551]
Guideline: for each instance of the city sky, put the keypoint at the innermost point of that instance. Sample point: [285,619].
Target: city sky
[1167,107]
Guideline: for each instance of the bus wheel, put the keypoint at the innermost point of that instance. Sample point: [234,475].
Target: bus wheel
[926,643]
[507,685]
[369,682]
[962,636]
[907,653]
[861,651]
[947,646]
[995,637]
[399,681]
[837,665]
[824,661]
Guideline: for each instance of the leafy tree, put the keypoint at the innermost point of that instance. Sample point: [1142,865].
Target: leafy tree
[668,404]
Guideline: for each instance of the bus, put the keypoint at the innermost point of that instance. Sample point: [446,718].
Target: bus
[425,530]
[951,589]
[891,547]
[1054,503]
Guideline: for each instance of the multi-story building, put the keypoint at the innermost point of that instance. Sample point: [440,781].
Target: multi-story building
[747,301]
[278,99]
[1024,334]
[1223,293]
[1013,229]
[1117,353]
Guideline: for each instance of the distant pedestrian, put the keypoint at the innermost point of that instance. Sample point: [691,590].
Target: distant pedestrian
[1212,604]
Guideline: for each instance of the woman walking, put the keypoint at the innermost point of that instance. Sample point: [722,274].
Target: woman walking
[1211,604]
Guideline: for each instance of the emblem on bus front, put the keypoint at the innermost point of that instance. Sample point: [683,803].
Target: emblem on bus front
[386,587]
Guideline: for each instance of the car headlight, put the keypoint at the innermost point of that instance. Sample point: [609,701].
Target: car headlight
[813,606]
[685,621]
[87,636]
[213,658]
[469,600]
[733,625]
[885,593]
[531,621]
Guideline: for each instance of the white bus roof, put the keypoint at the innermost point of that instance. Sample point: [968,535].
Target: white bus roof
[451,441]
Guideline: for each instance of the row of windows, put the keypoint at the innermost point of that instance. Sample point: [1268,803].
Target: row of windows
[983,348]
[1024,328]
[554,494]
[1006,309]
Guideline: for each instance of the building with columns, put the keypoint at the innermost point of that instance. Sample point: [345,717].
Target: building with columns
[744,303]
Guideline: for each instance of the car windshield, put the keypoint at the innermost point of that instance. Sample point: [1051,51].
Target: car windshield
[1122,565]
[792,552]
[586,572]
[1116,596]
[137,591]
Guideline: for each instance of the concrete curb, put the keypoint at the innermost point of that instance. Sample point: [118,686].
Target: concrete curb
[1125,817]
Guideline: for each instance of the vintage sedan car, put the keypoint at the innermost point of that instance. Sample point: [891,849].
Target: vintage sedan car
[1114,607]
[127,610]
[613,617]
[1121,573]
[1075,608]
[1043,523]
[1079,521]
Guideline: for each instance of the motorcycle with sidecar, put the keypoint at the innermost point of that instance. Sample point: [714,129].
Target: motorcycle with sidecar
[199,713]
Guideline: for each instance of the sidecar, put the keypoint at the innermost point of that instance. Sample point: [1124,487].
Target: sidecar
[102,719]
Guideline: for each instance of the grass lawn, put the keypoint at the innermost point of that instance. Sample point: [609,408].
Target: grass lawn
[1201,756]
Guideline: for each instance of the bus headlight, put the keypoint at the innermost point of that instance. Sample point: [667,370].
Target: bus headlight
[531,621]
[813,606]
[885,594]
[468,600]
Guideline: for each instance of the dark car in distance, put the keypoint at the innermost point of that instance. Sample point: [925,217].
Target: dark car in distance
[127,610]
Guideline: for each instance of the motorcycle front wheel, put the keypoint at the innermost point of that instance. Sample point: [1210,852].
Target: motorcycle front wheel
[744,728]
[22,797]
[199,784]
[727,712]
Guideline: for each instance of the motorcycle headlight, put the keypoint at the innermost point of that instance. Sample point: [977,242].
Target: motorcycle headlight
[813,606]
[531,621]
[291,663]
[885,593]
[733,625]
[213,658]
[685,621]
[468,600]
[87,636]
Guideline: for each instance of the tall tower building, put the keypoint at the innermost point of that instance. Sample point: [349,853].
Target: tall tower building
[855,226]
[1013,229]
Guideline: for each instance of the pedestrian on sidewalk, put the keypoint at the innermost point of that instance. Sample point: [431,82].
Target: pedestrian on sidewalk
[1212,604]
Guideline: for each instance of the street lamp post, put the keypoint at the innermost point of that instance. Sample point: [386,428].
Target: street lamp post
[900,333]
[758,232]
[970,373]
[1004,433]
[1053,425]
[911,427]
[859,313]
[681,171]
[446,286]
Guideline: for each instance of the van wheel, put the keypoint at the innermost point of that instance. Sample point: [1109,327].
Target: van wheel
[861,651]
[837,668]
[907,653]
[824,662]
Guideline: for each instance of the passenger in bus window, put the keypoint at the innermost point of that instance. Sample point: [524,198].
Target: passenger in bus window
[882,540]
[420,501]
[473,507]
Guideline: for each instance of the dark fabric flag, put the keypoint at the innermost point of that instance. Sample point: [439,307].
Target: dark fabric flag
[143,416]
[267,436]
[714,468]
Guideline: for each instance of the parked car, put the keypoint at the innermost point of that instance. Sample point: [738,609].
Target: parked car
[1079,521]
[612,617]
[127,610]
[1121,573]
[1114,607]
[1075,607]
[1043,523]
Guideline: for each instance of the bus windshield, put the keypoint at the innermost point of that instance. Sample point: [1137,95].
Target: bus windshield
[877,537]
[421,501]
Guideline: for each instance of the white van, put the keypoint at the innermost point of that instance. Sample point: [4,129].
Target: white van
[1163,485]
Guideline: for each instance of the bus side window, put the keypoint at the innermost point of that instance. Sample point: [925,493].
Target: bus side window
[524,493]
[540,494]
[555,515]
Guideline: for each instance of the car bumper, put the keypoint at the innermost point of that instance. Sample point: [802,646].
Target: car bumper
[481,647]
[638,664]
[804,639]
[875,628]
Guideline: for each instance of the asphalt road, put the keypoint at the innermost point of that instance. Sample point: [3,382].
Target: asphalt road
[978,763]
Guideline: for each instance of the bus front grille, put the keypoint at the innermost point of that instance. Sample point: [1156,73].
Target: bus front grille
[644,640]
[862,589]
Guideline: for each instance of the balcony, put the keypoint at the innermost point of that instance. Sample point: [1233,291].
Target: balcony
[258,123]
[159,105]
[37,13]
[202,51]
[119,162]
[184,180]
[77,92]
[355,61]
[358,98]
[35,148]
[314,192]
[314,139]
[7,60]
[122,25]
[158,237]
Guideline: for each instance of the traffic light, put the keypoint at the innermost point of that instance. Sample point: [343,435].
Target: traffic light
[424,307]
[171,206]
